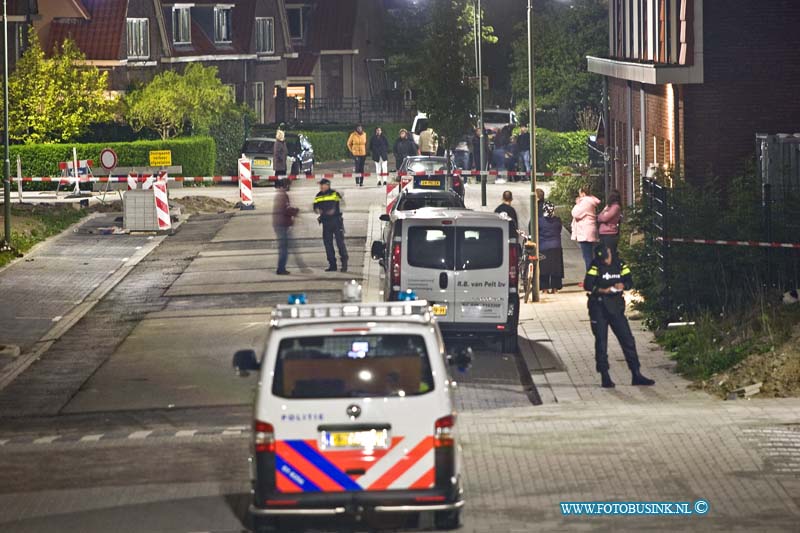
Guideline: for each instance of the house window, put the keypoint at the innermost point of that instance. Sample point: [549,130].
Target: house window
[298,20]
[258,101]
[222,24]
[265,35]
[20,39]
[181,24]
[138,38]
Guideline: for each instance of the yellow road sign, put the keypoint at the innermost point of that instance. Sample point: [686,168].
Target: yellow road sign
[161,158]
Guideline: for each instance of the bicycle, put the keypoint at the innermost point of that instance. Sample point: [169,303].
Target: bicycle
[527,266]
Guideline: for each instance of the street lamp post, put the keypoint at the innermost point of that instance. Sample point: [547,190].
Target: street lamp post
[479,68]
[534,207]
[6,244]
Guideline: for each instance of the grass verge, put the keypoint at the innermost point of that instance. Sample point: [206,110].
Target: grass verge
[31,224]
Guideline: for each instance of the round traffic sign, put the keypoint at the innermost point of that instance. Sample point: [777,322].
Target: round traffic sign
[108,159]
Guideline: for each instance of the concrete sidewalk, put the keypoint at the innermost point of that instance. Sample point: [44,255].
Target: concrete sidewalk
[55,284]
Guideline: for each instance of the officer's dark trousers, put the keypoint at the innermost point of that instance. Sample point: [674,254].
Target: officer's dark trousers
[602,315]
[334,229]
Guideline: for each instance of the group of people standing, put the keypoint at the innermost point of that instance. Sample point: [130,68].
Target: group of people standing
[590,228]
[378,148]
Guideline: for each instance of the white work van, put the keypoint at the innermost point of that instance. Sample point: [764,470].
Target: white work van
[463,262]
[354,414]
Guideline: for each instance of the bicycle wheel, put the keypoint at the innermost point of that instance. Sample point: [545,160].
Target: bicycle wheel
[529,283]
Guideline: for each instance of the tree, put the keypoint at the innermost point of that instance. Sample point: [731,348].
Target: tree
[564,34]
[173,102]
[56,98]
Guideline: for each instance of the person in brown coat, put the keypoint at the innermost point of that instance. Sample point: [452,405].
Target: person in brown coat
[282,220]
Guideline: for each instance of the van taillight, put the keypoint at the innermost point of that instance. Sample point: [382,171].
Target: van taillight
[513,259]
[443,432]
[396,264]
[263,437]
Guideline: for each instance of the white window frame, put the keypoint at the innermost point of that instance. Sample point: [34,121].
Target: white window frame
[176,34]
[259,103]
[143,36]
[265,44]
[221,14]
[299,8]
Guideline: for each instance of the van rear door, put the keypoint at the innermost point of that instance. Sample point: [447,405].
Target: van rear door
[428,260]
[481,259]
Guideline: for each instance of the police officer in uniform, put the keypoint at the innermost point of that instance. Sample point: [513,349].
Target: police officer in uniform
[606,280]
[327,206]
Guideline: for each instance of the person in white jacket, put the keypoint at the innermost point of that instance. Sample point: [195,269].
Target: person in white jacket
[584,223]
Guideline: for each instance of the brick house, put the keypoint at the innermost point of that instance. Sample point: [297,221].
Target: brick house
[690,82]
[251,42]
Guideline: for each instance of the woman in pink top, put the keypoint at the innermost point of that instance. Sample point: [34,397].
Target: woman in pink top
[610,218]
[584,223]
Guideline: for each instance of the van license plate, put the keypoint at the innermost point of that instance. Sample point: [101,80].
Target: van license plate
[261,162]
[439,309]
[370,439]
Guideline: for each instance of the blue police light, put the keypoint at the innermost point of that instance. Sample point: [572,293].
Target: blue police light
[297,299]
[407,296]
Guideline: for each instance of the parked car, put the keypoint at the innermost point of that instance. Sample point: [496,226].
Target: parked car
[419,125]
[432,164]
[495,119]
[260,149]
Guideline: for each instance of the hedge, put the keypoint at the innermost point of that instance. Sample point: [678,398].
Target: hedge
[197,155]
[555,150]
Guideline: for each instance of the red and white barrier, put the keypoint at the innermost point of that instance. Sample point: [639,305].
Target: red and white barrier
[753,244]
[393,189]
[162,203]
[332,175]
[245,184]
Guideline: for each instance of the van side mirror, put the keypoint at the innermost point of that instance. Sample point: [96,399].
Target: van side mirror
[462,359]
[384,218]
[244,361]
[378,250]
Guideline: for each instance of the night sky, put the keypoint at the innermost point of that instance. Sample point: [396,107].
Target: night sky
[503,15]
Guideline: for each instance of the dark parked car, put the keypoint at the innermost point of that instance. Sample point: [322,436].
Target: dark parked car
[260,149]
[432,164]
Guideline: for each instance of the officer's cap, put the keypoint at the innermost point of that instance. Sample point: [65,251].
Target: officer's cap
[324,181]
[601,252]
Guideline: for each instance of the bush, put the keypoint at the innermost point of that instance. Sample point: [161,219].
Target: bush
[229,135]
[196,155]
[555,150]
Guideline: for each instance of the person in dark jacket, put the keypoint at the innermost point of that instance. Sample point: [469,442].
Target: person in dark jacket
[379,149]
[280,153]
[551,264]
[282,219]
[524,149]
[477,139]
[506,208]
[606,280]
[327,204]
[404,147]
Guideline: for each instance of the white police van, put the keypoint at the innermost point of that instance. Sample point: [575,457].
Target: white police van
[354,414]
[463,262]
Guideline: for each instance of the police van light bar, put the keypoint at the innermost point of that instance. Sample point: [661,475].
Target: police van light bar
[297,299]
[407,296]
[354,310]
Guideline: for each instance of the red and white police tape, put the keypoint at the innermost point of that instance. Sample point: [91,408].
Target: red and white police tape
[333,175]
[757,244]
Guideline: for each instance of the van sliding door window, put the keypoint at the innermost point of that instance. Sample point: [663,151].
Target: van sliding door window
[479,248]
[431,247]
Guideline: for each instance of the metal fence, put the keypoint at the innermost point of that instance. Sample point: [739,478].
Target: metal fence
[352,110]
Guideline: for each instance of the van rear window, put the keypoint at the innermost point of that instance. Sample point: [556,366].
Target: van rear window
[352,366]
[431,247]
[479,248]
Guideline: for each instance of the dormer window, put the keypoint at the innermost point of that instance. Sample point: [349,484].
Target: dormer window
[265,35]
[297,17]
[181,24]
[222,23]
[138,38]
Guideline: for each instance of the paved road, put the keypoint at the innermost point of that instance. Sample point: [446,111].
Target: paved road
[132,421]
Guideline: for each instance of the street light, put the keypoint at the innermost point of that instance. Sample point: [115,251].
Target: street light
[534,207]
[479,73]
[6,244]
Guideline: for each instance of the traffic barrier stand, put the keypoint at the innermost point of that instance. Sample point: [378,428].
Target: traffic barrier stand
[245,185]
[393,189]
[133,180]
[162,202]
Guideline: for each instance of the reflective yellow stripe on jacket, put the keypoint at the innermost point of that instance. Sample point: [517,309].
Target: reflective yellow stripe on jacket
[593,271]
[333,197]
